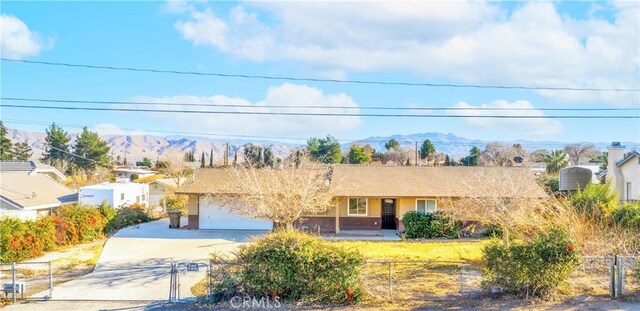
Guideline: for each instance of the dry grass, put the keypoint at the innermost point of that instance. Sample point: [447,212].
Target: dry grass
[469,251]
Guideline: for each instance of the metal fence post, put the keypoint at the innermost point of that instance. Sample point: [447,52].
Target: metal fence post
[13,280]
[209,280]
[390,282]
[612,282]
[620,276]
[50,279]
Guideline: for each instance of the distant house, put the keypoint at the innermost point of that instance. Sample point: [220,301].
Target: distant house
[31,167]
[128,174]
[160,188]
[29,195]
[623,172]
[366,197]
[116,195]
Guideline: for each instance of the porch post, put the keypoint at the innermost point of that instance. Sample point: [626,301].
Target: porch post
[337,215]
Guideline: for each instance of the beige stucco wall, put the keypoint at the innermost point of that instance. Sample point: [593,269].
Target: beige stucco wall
[193,204]
[630,172]
[374,209]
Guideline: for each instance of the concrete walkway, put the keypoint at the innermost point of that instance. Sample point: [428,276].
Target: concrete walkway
[135,262]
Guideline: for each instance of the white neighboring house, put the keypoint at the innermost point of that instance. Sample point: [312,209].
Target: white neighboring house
[125,174]
[116,195]
[623,172]
[160,188]
[31,167]
[30,195]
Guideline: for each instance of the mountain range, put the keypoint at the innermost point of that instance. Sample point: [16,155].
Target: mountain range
[136,147]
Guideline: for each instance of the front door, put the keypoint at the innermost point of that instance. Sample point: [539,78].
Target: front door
[389,214]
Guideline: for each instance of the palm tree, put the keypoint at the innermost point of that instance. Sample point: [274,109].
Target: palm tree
[555,161]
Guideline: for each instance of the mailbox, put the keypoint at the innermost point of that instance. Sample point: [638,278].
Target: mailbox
[192,266]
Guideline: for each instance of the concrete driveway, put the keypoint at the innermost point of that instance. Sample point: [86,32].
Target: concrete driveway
[135,262]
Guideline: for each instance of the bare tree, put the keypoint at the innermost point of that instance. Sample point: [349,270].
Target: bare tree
[496,154]
[398,156]
[281,195]
[509,198]
[576,152]
[176,168]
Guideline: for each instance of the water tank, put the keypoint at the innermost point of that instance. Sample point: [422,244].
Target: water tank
[574,178]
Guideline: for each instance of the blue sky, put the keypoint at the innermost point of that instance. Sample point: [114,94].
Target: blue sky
[573,44]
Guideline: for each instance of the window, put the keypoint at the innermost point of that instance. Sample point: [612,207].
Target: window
[122,196]
[137,199]
[629,191]
[143,196]
[357,207]
[425,206]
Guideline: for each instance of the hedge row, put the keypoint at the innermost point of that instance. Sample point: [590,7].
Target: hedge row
[69,225]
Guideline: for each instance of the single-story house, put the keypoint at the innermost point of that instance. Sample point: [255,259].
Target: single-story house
[31,167]
[623,172]
[31,195]
[116,195]
[162,187]
[366,197]
[126,174]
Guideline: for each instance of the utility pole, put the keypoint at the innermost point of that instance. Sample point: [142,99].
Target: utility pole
[416,163]
[226,155]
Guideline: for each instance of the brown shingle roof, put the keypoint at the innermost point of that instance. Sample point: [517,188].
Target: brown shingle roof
[443,181]
[377,181]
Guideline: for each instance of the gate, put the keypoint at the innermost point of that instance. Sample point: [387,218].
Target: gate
[26,280]
[189,280]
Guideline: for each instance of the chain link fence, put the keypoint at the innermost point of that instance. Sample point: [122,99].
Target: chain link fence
[26,281]
[421,280]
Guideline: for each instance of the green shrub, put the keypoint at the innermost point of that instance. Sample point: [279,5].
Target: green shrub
[294,266]
[550,183]
[126,216]
[627,215]
[535,268]
[494,231]
[595,200]
[418,225]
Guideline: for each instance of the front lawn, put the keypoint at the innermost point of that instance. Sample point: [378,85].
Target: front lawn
[469,251]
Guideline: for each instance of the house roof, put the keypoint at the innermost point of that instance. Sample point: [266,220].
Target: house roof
[167,182]
[442,181]
[631,155]
[26,190]
[30,167]
[401,181]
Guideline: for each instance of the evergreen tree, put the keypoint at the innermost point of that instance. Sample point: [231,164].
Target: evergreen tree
[253,155]
[125,162]
[202,160]
[235,158]
[392,144]
[357,155]
[325,150]
[90,151]
[6,147]
[408,163]
[56,146]
[145,162]
[426,149]
[211,158]
[269,157]
[22,151]
[447,160]
[472,158]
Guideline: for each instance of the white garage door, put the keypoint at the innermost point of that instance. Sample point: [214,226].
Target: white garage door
[212,216]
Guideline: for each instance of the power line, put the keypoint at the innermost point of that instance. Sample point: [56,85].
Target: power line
[77,156]
[69,101]
[304,139]
[320,114]
[296,79]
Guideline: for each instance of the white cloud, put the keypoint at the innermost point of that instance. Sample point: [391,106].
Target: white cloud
[473,42]
[17,41]
[517,128]
[263,125]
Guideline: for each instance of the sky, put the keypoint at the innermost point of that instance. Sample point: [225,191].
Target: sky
[577,44]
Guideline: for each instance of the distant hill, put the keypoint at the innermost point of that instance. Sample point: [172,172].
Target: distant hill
[137,147]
